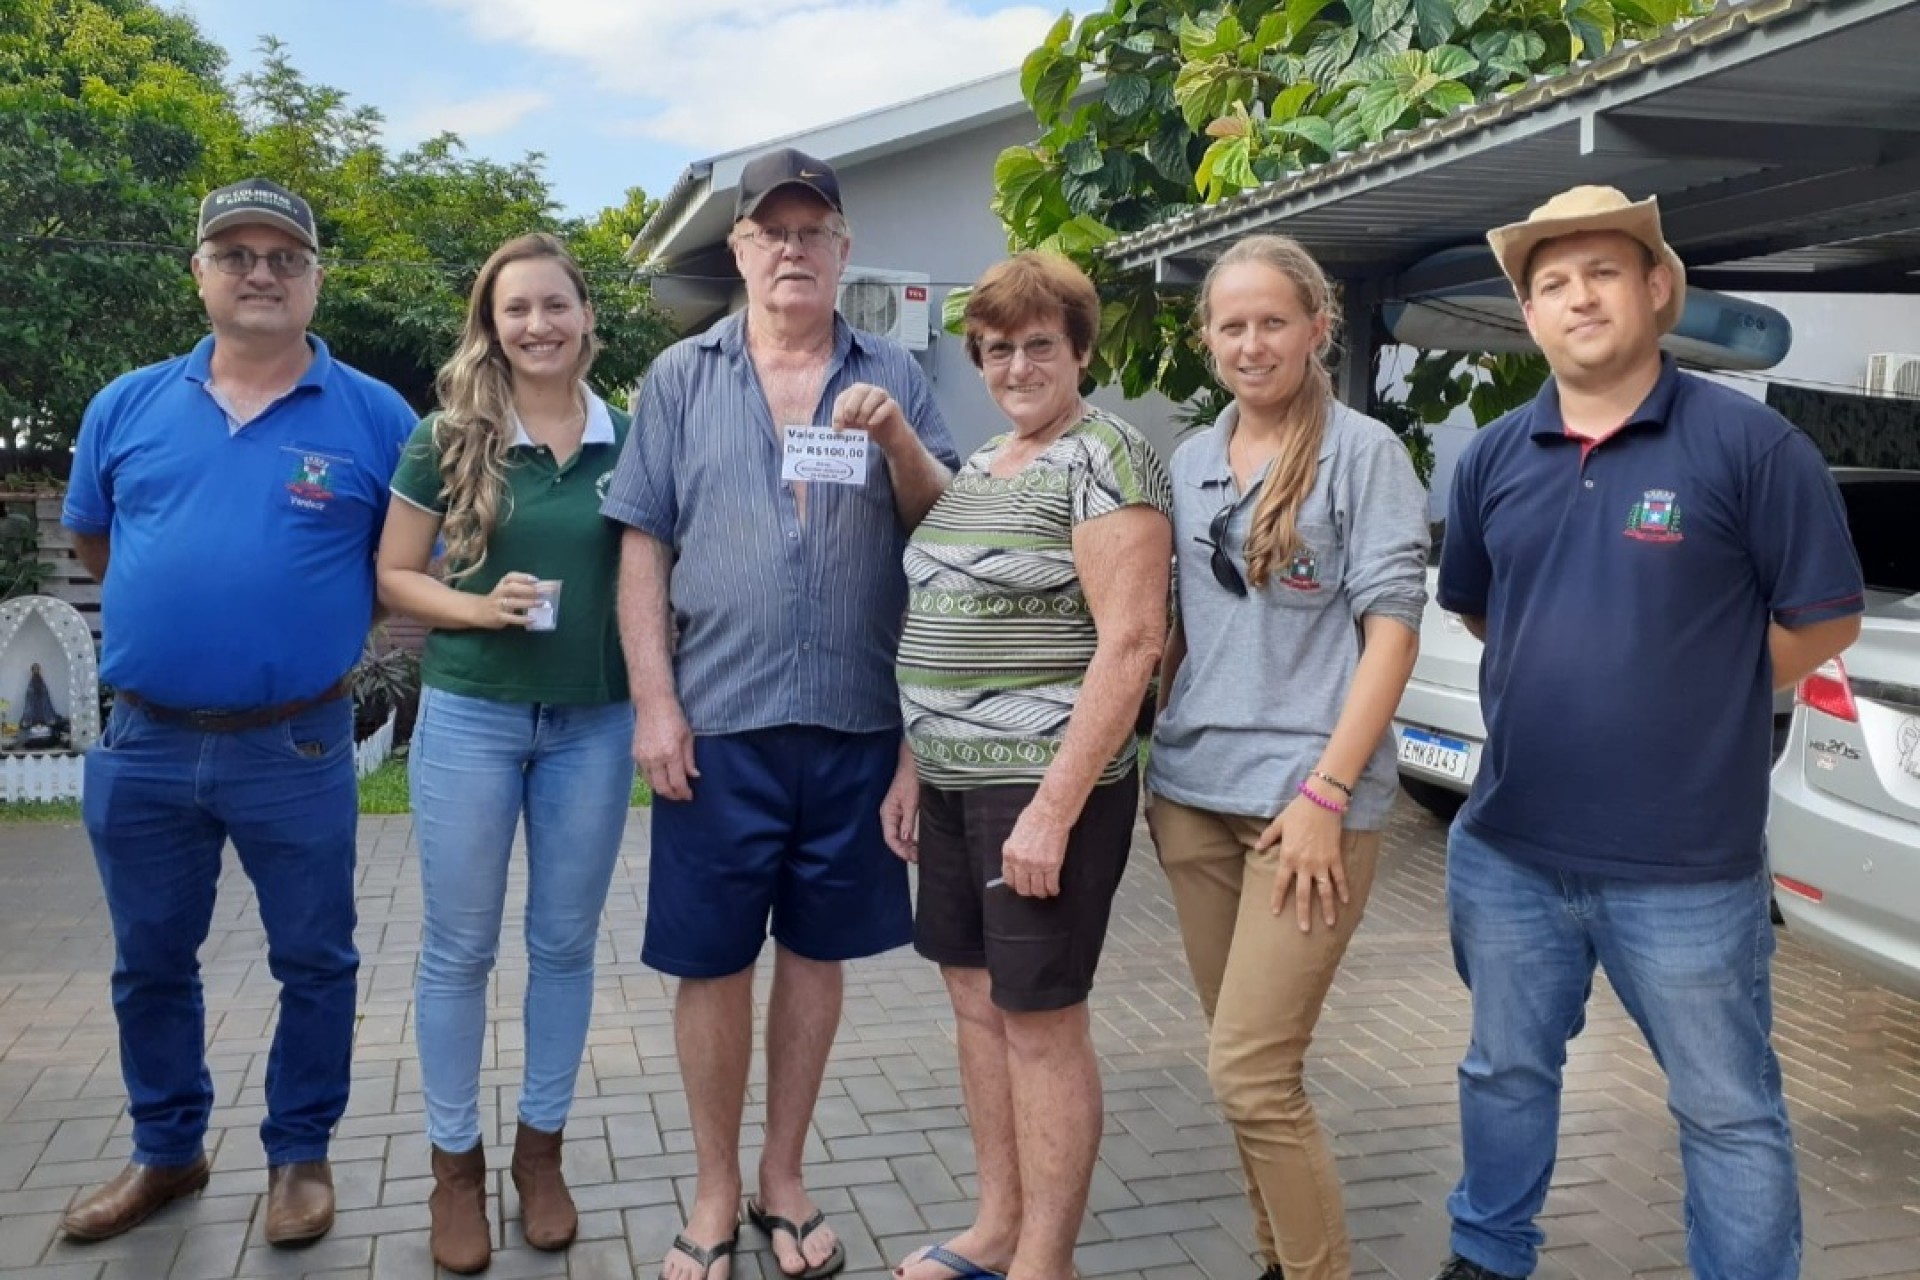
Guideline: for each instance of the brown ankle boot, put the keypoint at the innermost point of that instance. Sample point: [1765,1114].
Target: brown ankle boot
[462,1240]
[546,1208]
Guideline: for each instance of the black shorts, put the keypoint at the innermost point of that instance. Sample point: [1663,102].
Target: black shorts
[1040,953]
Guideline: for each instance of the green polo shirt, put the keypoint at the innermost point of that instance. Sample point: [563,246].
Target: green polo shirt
[551,527]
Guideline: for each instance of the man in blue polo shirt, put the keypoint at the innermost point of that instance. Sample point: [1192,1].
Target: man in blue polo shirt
[1648,556]
[229,501]
[760,611]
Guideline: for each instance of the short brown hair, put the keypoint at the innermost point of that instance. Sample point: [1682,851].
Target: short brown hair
[1027,287]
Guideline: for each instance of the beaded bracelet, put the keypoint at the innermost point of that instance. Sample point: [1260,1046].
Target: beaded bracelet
[1329,805]
[1334,782]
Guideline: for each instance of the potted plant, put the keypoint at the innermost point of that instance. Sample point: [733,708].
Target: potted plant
[385,679]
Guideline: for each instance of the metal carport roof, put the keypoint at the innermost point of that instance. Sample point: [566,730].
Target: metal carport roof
[1782,137]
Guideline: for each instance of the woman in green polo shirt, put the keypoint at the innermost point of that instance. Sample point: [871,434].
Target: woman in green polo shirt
[524,711]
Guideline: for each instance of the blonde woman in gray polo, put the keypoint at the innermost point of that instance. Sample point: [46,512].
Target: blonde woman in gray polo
[1300,532]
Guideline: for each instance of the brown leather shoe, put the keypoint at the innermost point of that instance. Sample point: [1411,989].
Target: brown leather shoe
[461,1239]
[299,1201]
[130,1198]
[546,1207]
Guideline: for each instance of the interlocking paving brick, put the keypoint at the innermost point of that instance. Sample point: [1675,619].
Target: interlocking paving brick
[892,1161]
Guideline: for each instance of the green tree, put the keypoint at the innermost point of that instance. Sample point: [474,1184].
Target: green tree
[112,113]
[406,233]
[632,330]
[402,234]
[1200,100]
[115,119]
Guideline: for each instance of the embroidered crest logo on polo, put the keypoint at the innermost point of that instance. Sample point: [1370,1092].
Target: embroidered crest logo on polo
[311,481]
[1655,518]
[1303,570]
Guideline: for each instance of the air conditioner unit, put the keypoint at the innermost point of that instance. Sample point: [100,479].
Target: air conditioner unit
[1891,373]
[892,304]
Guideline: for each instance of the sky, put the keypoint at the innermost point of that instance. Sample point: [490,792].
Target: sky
[623,93]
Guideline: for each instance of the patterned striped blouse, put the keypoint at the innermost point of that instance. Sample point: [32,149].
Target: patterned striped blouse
[998,634]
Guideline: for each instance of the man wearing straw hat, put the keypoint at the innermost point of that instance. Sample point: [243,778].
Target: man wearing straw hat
[1648,556]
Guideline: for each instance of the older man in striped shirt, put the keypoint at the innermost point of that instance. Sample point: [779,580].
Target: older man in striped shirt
[760,616]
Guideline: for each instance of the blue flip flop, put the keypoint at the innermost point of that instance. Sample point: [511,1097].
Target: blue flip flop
[962,1268]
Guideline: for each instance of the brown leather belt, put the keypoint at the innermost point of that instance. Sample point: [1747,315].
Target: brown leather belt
[236,721]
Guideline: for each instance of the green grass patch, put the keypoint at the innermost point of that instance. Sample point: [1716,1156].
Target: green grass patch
[39,811]
[385,790]
[382,791]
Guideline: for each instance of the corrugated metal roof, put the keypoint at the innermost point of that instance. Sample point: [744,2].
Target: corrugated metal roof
[1805,67]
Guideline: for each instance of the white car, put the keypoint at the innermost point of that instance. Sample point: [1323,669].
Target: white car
[1437,728]
[1843,834]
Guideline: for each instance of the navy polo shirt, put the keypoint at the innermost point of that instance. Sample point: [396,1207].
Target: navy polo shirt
[241,568]
[1627,588]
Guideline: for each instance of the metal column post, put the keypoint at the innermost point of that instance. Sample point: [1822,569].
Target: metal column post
[1353,376]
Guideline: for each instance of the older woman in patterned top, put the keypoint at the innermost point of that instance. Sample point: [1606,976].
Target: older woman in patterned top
[1038,609]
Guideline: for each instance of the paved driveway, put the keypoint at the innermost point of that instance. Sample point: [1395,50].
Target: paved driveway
[893,1161]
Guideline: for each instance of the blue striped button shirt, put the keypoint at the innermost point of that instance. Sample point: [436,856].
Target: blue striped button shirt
[779,622]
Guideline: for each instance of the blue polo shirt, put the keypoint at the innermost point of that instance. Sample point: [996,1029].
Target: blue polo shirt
[241,568]
[1627,588]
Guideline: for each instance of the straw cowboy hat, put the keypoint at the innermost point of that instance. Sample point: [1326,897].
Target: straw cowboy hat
[1590,209]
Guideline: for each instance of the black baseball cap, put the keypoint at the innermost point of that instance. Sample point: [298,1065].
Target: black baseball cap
[786,167]
[258,201]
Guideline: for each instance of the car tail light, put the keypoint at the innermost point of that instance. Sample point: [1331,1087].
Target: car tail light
[1800,888]
[1828,692]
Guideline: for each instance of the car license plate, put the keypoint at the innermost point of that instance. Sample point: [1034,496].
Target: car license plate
[1432,751]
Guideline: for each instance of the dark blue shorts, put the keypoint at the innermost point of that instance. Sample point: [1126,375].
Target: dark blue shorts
[784,825]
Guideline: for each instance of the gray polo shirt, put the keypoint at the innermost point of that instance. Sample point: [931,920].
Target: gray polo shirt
[1266,674]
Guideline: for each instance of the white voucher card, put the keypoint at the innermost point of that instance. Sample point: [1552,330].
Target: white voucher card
[823,455]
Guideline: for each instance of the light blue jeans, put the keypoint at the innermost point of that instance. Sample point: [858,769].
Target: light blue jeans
[476,765]
[1691,964]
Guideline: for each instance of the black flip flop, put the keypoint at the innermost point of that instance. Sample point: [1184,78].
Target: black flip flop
[705,1255]
[832,1264]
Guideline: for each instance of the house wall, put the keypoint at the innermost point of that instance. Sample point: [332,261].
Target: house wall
[926,210]
[1833,334]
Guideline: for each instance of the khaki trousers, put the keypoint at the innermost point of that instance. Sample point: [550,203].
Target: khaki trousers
[1261,983]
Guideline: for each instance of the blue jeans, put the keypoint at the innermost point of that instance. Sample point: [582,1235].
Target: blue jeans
[476,765]
[1691,964]
[161,802]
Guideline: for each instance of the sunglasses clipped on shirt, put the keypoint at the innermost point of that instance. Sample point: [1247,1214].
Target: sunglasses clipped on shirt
[1221,562]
